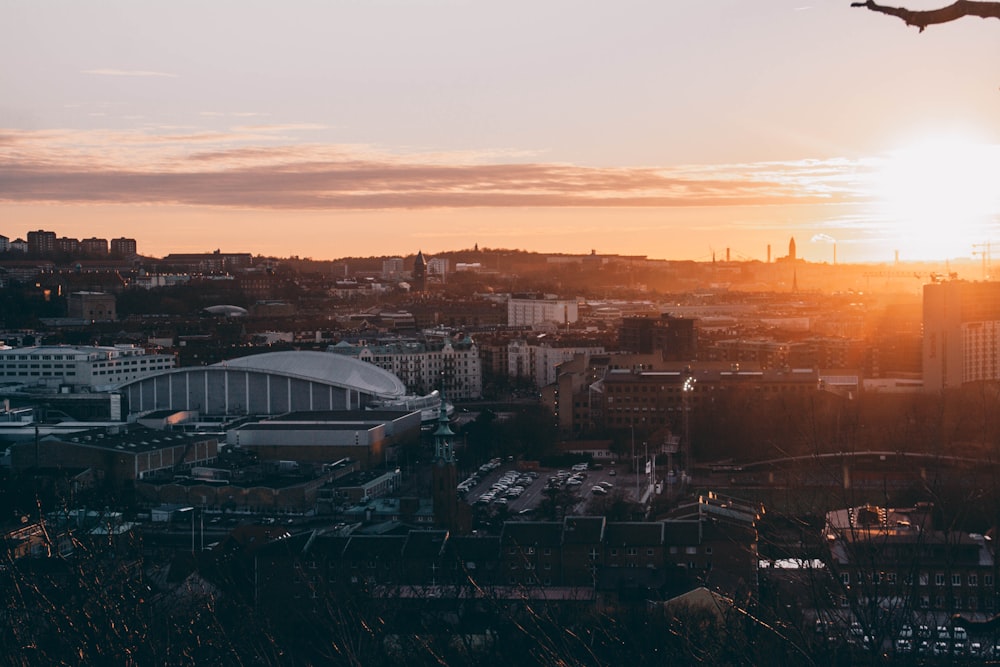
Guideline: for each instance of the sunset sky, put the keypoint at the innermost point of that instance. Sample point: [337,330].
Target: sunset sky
[666,128]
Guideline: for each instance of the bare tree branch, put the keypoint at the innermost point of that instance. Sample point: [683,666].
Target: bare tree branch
[923,18]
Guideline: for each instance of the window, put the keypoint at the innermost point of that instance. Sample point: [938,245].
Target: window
[939,579]
[890,577]
[973,579]
[956,580]
[924,578]
[631,551]
[845,578]
[649,551]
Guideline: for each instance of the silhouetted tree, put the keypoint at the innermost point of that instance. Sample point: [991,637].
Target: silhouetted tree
[921,18]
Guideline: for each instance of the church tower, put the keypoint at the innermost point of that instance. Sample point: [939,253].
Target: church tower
[419,272]
[444,476]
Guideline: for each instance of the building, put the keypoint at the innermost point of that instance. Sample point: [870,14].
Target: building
[961,325]
[538,359]
[42,242]
[392,268]
[94,247]
[367,436]
[92,306]
[531,310]
[82,367]
[675,338]
[130,455]
[419,273]
[435,363]
[210,262]
[266,384]
[68,245]
[894,558]
[438,267]
[651,400]
[123,247]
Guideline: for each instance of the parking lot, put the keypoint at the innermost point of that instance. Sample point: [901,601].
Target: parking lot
[521,491]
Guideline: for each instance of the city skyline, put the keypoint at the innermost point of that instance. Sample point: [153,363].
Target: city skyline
[356,129]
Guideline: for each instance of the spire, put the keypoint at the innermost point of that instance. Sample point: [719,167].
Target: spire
[442,436]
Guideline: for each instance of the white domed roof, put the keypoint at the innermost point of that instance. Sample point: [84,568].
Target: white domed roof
[325,367]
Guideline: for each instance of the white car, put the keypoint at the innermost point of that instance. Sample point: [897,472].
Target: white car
[598,490]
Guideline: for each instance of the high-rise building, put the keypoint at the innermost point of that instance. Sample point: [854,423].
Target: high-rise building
[94,246]
[123,247]
[961,333]
[392,268]
[68,245]
[41,242]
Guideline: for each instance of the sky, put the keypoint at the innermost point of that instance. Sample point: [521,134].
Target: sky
[672,129]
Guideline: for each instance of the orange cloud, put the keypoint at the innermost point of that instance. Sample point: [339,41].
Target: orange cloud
[250,167]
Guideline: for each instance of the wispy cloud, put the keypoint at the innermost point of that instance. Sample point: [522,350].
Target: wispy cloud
[252,167]
[127,72]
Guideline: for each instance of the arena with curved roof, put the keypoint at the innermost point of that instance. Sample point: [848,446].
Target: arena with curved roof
[266,384]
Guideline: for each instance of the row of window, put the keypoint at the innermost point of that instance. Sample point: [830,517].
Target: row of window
[923,579]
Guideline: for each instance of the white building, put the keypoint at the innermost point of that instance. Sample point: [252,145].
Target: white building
[453,367]
[526,312]
[438,267]
[961,324]
[539,362]
[84,367]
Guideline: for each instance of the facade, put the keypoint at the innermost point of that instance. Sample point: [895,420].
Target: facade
[123,247]
[452,367]
[94,247]
[92,306]
[895,557]
[531,311]
[42,242]
[266,384]
[438,267]
[654,399]
[210,261]
[675,338]
[366,436]
[961,324]
[68,245]
[539,362]
[392,268]
[118,457]
[84,367]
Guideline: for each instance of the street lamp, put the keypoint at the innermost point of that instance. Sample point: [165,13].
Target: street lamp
[686,392]
[191,510]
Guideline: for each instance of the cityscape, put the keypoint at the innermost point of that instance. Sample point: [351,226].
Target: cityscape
[435,332]
[801,454]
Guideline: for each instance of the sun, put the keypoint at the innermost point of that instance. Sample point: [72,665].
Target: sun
[939,196]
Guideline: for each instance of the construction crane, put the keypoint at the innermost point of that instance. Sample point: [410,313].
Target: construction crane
[984,251]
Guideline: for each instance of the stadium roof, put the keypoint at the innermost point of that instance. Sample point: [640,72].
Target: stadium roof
[324,367]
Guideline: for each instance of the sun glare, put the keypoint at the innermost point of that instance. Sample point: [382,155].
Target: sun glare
[940,197]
